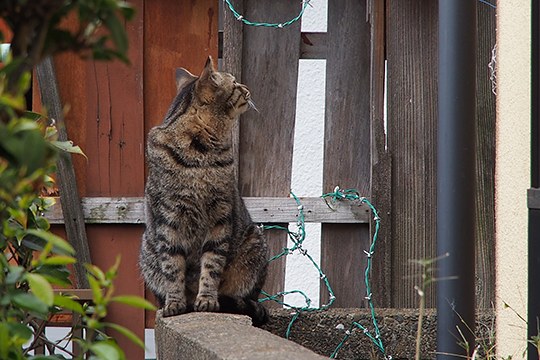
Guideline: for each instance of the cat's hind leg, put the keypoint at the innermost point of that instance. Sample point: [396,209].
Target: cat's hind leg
[244,277]
[244,306]
[247,271]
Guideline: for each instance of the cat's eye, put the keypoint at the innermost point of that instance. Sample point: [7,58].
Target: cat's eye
[215,78]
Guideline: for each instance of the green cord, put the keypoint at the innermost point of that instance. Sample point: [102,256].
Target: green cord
[298,238]
[353,195]
[240,17]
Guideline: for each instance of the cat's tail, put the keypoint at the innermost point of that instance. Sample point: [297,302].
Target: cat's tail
[247,306]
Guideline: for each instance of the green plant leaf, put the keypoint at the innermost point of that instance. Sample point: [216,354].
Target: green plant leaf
[57,275]
[96,272]
[31,115]
[14,274]
[59,260]
[118,33]
[96,289]
[16,103]
[4,340]
[112,272]
[127,333]
[128,11]
[30,302]
[134,301]
[57,241]
[21,331]
[41,288]
[106,350]
[68,146]
[66,302]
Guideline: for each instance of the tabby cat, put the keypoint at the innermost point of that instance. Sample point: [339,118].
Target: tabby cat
[200,249]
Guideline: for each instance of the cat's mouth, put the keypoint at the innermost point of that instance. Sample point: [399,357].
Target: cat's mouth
[249,102]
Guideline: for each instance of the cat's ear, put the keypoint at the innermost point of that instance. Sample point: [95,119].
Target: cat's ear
[183,77]
[208,68]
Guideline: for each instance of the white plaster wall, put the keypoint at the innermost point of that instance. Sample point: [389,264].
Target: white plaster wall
[512,175]
[307,169]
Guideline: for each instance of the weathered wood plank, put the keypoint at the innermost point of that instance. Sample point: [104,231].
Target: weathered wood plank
[312,44]
[347,159]
[281,210]
[232,63]
[485,160]
[106,210]
[270,70]
[381,161]
[412,139]
[67,183]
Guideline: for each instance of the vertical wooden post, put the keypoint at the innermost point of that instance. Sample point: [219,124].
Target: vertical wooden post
[270,70]
[412,139]
[381,161]
[233,42]
[347,159]
[485,159]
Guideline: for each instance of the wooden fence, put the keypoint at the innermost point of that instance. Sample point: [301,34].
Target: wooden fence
[112,107]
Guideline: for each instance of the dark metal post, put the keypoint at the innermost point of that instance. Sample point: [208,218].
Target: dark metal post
[533,312]
[456,177]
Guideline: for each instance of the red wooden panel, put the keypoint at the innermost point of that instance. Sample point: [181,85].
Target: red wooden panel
[6,31]
[106,243]
[177,34]
[106,118]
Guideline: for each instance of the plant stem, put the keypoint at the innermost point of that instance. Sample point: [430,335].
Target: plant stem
[420,321]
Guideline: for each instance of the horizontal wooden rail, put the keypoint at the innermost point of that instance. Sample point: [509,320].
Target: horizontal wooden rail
[106,210]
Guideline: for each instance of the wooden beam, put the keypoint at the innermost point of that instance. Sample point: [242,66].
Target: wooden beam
[107,210]
[67,183]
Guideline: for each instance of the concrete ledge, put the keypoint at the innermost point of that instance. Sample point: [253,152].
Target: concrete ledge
[323,331]
[215,336]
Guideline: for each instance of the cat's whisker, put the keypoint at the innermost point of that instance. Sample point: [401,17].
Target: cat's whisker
[252,105]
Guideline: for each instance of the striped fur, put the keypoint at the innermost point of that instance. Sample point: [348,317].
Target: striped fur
[200,250]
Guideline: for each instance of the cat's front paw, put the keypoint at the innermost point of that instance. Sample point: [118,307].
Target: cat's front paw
[174,308]
[206,303]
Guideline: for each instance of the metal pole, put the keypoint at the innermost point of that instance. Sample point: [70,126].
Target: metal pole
[456,177]
[533,313]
